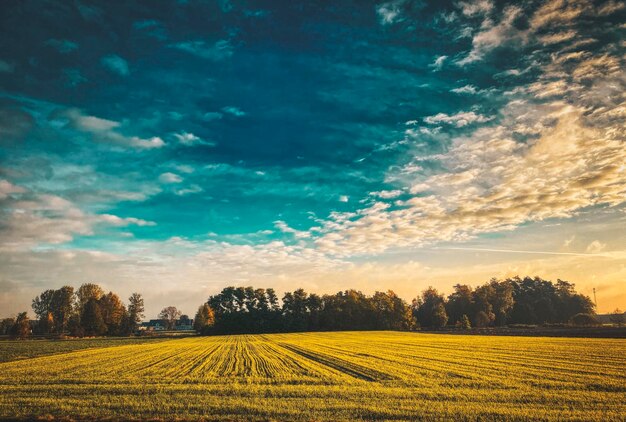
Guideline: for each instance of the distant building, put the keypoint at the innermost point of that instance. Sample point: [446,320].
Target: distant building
[182,324]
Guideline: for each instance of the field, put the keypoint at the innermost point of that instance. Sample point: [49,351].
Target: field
[325,376]
[14,350]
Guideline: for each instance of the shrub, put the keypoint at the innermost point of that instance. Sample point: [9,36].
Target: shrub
[584,320]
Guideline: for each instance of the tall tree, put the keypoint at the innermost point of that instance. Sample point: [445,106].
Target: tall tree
[91,319]
[429,309]
[62,306]
[135,311]
[86,292]
[113,313]
[42,305]
[204,320]
[460,302]
[21,328]
[170,314]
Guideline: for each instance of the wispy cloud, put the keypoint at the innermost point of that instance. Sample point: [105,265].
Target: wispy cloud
[217,51]
[115,64]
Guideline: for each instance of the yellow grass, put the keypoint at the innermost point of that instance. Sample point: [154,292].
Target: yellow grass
[326,376]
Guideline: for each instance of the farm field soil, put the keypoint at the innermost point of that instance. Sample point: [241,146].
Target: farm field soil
[325,376]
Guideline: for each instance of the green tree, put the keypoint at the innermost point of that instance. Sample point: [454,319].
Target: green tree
[91,319]
[42,306]
[465,322]
[62,306]
[135,311]
[460,302]
[429,309]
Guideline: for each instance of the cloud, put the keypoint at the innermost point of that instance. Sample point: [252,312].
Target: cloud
[218,51]
[596,247]
[467,89]
[459,119]
[62,46]
[387,194]
[492,35]
[170,178]
[284,228]
[31,219]
[234,111]
[390,12]
[115,64]
[6,67]
[438,63]
[475,8]
[187,138]
[189,190]
[73,77]
[7,188]
[104,130]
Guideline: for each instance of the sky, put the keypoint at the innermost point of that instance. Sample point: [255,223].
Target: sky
[176,148]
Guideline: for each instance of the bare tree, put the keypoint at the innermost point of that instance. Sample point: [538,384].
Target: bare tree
[170,315]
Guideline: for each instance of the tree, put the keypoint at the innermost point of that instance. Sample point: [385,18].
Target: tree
[86,292]
[204,320]
[6,324]
[135,311]
[91,319]
[429,309]
[21,328]
[465,322]
[460,302]
[113,313]
[618,317]
[61,305]
[170,314]
[42,305]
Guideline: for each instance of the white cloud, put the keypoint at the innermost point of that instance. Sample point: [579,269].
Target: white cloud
[170,178]
[459,119]
[387,194]
[189,190]
[237,112]
[187,138]
[31,219]
[104,130]
[218,51]
[438,63]
[7,188]
[284,228]
[492,35]
[466,89]
[475,8]
[596,247]
[390,12]
[115,64]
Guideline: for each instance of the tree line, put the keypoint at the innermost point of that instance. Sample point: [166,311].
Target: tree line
[496,303]
[88,311]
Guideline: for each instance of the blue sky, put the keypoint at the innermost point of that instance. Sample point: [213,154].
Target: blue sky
[179,147]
